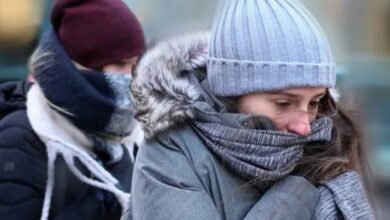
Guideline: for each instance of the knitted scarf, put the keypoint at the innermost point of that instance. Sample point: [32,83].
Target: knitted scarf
[266,155]
[97,103]
[99,107]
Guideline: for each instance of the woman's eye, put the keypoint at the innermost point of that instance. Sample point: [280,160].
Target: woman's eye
[314,104]
[282,104]
[120,64]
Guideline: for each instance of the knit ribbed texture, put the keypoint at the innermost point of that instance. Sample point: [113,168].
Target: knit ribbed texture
[267,45]
[344,195]
[266,155]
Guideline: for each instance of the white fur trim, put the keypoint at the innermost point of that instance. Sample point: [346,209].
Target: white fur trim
[162,93]
[335,94]
[136,138]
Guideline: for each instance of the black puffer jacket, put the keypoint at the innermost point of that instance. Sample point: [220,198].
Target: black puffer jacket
[23,171]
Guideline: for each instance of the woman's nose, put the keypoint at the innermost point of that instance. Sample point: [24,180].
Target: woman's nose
[299,124]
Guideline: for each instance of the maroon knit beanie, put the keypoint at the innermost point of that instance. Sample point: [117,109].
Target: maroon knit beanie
[97,32]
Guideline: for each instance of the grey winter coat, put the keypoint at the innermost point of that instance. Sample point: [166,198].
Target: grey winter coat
[176,176]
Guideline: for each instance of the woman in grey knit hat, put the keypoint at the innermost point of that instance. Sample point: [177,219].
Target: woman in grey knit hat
[242,124]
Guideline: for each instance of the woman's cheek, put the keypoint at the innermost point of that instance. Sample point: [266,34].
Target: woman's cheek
[280,123]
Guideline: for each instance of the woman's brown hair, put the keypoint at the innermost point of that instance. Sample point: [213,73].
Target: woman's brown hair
[322,162]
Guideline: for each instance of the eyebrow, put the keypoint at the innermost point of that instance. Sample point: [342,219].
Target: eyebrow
[292,95]
[322,94]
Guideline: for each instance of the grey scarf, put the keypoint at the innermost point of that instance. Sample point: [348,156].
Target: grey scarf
[266,155]
[257,151]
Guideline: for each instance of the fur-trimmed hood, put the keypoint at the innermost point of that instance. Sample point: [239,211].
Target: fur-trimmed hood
[161,88]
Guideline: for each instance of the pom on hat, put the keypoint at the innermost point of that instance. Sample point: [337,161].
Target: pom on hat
[97,32]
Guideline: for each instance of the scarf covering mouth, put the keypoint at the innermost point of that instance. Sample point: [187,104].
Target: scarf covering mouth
[255,152]
[98,103]
[264,155]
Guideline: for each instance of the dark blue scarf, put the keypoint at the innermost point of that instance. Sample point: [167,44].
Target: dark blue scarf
[97,103]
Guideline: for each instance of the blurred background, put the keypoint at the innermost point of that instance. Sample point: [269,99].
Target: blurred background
[359,31]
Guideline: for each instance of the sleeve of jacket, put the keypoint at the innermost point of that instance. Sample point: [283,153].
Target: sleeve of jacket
[22,173]
[165,186]
[292,198]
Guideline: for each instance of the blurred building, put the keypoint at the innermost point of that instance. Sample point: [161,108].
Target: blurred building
[162,19]
[20,25]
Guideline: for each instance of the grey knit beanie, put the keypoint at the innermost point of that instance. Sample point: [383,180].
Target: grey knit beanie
[267,45]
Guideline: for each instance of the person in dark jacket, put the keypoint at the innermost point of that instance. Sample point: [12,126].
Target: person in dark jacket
[243,124]
[63,135]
